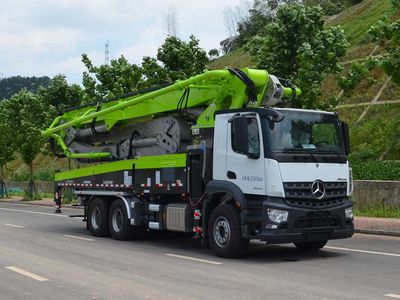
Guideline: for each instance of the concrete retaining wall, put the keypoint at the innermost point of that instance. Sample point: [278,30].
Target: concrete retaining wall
[369,193]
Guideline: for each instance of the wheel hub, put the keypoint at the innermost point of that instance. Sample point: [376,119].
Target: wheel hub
[117,220]
[222,231]
[96,218]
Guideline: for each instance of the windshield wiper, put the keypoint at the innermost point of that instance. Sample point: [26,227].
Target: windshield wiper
[291,150]
[300,150]
[327,151]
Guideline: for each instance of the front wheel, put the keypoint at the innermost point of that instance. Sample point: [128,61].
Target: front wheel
[225,233]
[310,246]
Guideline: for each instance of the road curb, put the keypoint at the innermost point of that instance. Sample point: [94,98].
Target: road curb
[378,232]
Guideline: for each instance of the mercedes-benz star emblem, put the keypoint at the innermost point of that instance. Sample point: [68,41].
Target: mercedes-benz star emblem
[318,189]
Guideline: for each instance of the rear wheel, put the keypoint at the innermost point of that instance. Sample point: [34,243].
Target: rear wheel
[225,234]
[310,246]
[98,217]
[119,225]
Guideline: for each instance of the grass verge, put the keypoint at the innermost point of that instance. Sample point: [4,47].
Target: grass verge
[378,211]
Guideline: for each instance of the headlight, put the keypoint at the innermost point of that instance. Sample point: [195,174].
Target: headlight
[277,215]
[349,213]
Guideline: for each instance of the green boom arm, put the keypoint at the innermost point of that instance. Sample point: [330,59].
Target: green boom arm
[212,91]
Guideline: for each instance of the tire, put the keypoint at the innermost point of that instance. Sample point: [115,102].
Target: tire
[98,217]
[224,232]
[310,246]
[118,222]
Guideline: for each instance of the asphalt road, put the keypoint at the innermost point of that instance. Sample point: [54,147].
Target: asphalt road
[48,256]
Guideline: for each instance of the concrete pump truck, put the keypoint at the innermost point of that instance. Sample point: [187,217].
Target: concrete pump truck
[215,155]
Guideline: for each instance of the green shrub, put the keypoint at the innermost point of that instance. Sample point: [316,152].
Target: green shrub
[69,197]
[364,154]
[376,170]
[44,175]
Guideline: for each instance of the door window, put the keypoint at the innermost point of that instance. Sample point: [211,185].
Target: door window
[253,139]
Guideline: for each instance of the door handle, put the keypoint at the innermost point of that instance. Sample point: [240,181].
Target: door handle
[231,175]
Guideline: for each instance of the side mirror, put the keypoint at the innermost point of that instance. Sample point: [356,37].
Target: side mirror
[240,135]
[346,138]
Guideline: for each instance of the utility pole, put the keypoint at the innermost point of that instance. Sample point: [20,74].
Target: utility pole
[106,53]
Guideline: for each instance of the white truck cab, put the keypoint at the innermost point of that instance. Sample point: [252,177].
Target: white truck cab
[292,170]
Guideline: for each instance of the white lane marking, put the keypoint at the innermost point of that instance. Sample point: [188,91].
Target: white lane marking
[26,273]
[195,259]
[79,238]
[393,296]
[34,212]
[13,225]
[363,251]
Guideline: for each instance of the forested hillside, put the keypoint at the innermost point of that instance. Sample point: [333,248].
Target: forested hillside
[364,92]
[12,85]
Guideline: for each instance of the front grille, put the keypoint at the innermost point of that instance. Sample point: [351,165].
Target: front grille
[302,190]
[317,204]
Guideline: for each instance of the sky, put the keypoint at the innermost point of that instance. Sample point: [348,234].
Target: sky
[47,37]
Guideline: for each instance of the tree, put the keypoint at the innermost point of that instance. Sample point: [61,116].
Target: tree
[260,14]
[60,94]
[213,53]
[176,59]
[228,44]
[387,36]
[247,20]
[298,47]
[26,115]
[182,59]
[356,73]
[108,81]
[6,149]
[154,74]
[318,58]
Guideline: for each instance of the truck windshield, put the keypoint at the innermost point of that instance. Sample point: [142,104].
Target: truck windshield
[301,131]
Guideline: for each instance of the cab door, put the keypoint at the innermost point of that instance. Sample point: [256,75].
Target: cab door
[245,154]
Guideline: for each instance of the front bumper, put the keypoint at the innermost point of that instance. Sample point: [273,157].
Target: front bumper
[303,224]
